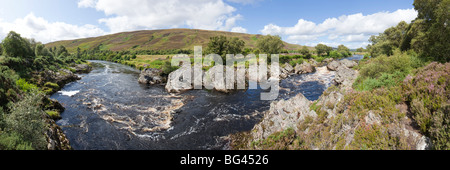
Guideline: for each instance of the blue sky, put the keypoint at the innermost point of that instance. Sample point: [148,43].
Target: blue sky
[348,22]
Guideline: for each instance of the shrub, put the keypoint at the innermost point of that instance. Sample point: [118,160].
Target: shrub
[13,142]
[26,119]
[428,94]
[25,86]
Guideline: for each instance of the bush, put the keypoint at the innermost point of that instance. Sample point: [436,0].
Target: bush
[26,119]
[8,86]
[13,142]
[25,86]
[386,71]
[428,94]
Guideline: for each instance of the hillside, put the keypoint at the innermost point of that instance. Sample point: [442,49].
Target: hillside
[157,40]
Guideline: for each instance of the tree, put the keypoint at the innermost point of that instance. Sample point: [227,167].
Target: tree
[345,52]
[270,44]
[360,49]
[322,48]
[217,45]
[61,51]
[16,46]
[235,46]
[435,28]
[304,51]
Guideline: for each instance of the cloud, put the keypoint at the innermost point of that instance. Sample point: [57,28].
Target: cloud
[245,2]
[239,30]
[86,3]
[356,28]
[127,15]
[42,30]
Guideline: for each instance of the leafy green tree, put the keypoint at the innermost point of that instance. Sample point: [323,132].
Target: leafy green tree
[270,44]
[16,46]
[61,51]
[435,29]
[322,48]
[360,49]
[345,52]
[235,46]
[304,51]
[217,45]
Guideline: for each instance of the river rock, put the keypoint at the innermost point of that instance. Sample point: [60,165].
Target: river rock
[83,68]
[304,68]
[334,65]
[345,77]
[288,68]
[348,63]
[215,77]
[150,76]
[282,115]
[176,81]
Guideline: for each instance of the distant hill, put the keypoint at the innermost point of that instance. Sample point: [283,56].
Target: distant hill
[157,40]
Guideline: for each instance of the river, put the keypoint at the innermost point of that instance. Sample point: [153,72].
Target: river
[109,110]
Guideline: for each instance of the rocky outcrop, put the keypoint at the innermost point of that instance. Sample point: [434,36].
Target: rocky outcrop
[56,139]
[151,76]
[282,115]
[345,77]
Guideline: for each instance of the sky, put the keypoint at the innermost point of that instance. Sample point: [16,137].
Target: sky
[303,22]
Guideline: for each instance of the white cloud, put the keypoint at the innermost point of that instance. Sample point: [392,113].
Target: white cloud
[239,30]
[127,15]
[245,2]
[42,30]
[347,28]
[86,3]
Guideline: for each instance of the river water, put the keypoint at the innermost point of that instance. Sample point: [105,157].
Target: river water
[109,110]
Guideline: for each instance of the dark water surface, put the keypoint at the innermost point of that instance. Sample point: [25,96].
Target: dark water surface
[108,109]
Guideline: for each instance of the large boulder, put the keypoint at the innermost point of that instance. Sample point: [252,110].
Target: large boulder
[151,76]
[215,77]
[334,65]
[282,115]
[82,68]
[304,68]
[345,77]
[176,81]
[348,63]
[288,68]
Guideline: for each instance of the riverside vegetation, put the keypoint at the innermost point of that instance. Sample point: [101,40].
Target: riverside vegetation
[29,72]
[398,99]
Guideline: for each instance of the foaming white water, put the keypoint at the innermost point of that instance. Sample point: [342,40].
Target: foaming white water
[322,75]
[69,93]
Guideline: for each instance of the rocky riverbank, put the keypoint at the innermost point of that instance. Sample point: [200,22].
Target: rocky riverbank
[56,139]
[330,123]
